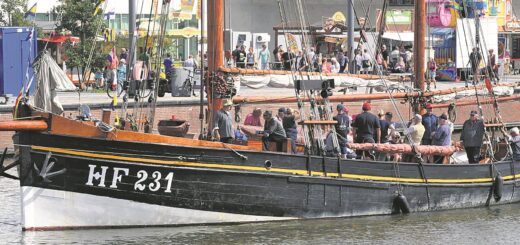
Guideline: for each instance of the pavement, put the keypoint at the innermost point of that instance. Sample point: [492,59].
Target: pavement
[72,100]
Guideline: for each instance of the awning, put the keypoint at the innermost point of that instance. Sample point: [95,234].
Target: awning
[399,36]
[59,39]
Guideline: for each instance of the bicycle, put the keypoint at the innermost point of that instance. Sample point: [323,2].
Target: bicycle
[118,89]
[188,83]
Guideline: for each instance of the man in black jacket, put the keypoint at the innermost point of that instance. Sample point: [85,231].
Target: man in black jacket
[367,128]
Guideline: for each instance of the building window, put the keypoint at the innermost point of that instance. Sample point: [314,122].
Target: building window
[42,17]
[401,2]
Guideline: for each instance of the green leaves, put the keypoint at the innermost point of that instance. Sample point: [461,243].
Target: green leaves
[78,19]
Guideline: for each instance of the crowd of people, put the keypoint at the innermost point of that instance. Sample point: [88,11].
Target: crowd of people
[398,60]
[366,127]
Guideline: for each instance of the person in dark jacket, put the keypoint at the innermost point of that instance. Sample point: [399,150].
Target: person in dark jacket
[430,122]
[472,137]
[441,137]
[289,125]
[342,128]
[273,132]
[366,129]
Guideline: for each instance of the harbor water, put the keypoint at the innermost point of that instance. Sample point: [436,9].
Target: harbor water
[493,225]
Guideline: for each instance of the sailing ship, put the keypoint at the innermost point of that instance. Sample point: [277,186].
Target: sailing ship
[87,174]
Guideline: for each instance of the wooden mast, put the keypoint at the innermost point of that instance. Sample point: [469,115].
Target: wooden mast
[215,24]
[419,46]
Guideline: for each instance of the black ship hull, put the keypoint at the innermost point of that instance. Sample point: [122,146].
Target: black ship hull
[73,182]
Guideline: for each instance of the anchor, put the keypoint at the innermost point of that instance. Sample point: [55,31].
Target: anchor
[4,169]
[45,173]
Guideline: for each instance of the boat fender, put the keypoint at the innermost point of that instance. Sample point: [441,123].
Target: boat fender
[402,203]
[498,186]
[268,164]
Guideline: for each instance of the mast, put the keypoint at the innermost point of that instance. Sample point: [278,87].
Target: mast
[350,36]
[215,10]
[131,36]
[419,46]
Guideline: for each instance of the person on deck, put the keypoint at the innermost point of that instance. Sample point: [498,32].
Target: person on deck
[416,130]
[342,128]
[281,114]
[415,133]
[472,136]
[273,132]
[289,125]
[254,118]
[366,128]
[514,141]
[387,129]
[224,123]
[430,122]
[441,137]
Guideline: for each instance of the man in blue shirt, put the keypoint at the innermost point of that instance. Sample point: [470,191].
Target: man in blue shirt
[430,122]
[168,67]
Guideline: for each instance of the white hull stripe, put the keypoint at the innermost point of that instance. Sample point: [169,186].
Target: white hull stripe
[52,209]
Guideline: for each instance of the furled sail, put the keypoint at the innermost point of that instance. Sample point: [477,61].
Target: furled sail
[50,80]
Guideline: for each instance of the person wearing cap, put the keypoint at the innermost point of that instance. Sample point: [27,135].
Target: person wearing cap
[254,118]
[441,137]
[342,128]
[514,141]
[224,123]
[121,75]
[472,136]
[289,125]
[281,114]
[430,122]
[366,128]
[273,132]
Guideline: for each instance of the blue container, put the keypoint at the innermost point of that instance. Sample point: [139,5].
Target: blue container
[17,51]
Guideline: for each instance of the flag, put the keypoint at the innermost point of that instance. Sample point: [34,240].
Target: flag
[110,35]
[98,7]
[31,12]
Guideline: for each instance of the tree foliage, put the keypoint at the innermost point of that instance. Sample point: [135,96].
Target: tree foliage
[13,12]
[78,18]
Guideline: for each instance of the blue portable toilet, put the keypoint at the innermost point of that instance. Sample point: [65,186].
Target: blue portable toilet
[17,50]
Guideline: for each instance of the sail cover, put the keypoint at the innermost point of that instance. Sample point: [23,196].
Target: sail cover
[50,80]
